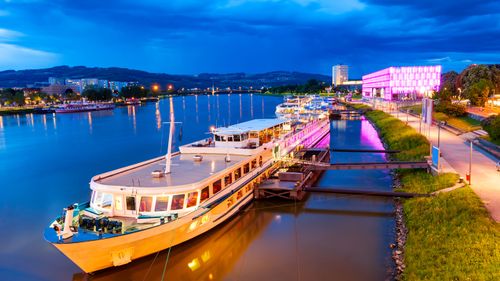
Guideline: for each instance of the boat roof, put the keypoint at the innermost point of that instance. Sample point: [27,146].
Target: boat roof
[184,170]
[254,125]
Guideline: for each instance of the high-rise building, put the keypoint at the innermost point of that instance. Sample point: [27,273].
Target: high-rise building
[340,74]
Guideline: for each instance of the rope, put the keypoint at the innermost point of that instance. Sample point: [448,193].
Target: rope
[166,262]
[168,256]
[296,240]
[150,266]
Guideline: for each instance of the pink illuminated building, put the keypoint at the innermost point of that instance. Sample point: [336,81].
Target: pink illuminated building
[406,82]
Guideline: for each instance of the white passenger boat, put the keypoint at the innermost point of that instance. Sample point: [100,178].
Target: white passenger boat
[292,106]
[156,204]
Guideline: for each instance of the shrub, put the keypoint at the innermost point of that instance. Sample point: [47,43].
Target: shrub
[492,126]
[451,109]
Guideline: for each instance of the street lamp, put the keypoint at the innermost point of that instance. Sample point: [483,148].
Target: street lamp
[470,163]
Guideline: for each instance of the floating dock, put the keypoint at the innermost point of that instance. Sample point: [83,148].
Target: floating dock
[290,178]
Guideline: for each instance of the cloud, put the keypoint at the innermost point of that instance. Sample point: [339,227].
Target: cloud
[9,35]
[258,35]
[18,57]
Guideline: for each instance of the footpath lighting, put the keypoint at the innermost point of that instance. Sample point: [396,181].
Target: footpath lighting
[468,176]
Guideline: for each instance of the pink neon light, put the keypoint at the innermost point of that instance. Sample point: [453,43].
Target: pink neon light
[392,82]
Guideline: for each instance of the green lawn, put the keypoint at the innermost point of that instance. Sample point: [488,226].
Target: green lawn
[419,181]
[416,109]
[399,136]
[463,123]
[450,236]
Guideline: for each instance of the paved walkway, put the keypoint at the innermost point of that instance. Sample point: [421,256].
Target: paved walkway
[485,180]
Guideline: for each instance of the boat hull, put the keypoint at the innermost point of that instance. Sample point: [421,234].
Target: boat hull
[95,255]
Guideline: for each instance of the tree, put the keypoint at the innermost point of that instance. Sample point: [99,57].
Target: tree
[449,89]
[479,92]
[97,94]
[134,92]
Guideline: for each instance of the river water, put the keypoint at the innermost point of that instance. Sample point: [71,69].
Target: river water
[46,162]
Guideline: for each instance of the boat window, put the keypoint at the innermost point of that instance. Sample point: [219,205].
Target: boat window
[254,135]
[228,179]
[177,202]
[107,200]
[239,195]
[118,203]
[161,203]
[217,186]
[246,168]
[130,203]
[192,199]
[237,138]
[229,138]
[217,138]
[237,174]
[260,161]
[254,164]
[204,194]
[146,202]
[98,198]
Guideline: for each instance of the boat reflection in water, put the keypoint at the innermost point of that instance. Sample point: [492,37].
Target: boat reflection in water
[210,256]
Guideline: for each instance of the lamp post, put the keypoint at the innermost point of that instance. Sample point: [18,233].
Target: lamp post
[420,123]
[439,133]
[470,163]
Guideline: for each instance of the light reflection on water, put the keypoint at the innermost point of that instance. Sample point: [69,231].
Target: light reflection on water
[46,167]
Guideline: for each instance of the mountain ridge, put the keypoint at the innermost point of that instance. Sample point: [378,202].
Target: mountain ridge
[22,78]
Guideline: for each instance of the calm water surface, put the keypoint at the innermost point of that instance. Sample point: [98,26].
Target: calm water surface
[46,162]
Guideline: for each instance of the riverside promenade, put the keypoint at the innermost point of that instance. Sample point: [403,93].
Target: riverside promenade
[485,179]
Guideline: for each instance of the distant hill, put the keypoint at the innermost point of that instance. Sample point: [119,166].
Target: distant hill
[21,78]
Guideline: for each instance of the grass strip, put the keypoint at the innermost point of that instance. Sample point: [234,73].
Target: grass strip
[450,236]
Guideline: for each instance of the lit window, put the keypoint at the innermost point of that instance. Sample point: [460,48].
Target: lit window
[237,174]
[130,201]
[178,202]
[217,186]
[204,194]
[192,199]
[161,203]
[145,205]
[228,179]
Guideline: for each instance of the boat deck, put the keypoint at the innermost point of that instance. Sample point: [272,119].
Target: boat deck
[184,170]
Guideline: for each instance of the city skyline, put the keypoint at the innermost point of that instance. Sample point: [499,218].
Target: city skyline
[185,37]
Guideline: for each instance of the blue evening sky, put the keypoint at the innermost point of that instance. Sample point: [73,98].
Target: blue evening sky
[189,37]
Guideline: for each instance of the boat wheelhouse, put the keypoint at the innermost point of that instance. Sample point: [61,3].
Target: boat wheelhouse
[153,205]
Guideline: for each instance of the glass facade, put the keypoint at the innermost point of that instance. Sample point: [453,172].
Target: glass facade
[407,82]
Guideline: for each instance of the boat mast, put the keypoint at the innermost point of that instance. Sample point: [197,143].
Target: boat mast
[168,157]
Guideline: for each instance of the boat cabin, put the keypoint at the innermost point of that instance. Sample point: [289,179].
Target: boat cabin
[239,139]
[198,173]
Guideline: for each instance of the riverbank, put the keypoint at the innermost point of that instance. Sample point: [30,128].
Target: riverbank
[15,110]
[449,236]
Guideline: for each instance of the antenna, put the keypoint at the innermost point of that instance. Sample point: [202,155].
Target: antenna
[168,157]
